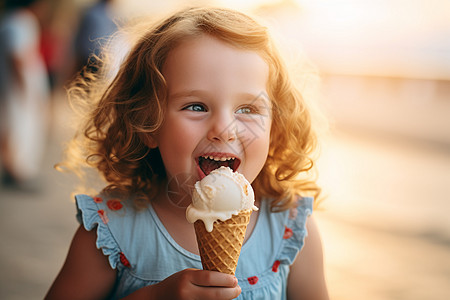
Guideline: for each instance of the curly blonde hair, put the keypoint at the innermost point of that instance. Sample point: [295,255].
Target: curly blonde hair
[131,108]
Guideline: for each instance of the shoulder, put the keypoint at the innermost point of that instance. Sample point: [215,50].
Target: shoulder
[86,271]
[123,231]
[113,220]
[306,279]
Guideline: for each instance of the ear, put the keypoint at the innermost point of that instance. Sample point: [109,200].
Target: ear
[148,140]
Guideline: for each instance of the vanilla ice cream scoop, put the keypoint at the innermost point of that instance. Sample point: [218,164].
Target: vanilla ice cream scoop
[220,195]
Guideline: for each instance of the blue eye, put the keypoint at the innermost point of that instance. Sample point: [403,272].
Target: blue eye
[195,107]
[246,110]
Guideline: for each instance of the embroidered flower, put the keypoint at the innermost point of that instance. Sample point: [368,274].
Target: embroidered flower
[124,260]
[275,266]
[98,200]
[287,233]
[103,216]
[114,204]
[253,280]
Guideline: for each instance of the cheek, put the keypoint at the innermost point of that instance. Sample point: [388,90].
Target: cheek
[177,141]
[257,133]
[174,133]
[256,146]
[261,146]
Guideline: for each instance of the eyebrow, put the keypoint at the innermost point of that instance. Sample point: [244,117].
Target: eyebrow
[189,93]
[260,96]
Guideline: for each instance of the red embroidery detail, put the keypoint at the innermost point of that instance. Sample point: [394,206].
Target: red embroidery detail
[124,260]
[253,280]
[275,266]
[288,233]
[103,216]
[114,204]
[98,200]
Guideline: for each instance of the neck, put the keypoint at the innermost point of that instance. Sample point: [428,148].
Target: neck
[174,203]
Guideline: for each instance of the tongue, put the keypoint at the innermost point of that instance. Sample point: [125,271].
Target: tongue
[208,165]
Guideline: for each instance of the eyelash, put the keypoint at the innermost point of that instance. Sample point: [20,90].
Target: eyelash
[191,107]
[251,109]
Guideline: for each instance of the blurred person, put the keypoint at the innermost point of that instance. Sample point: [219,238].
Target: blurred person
[24,94]
[55,27]
[95,27]
[203,89]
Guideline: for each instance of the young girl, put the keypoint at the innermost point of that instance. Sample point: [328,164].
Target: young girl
[202,89]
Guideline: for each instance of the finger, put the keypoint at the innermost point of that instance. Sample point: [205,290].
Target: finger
[217,293]
[213,279]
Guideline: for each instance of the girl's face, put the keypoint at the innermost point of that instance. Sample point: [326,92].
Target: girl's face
[217,110]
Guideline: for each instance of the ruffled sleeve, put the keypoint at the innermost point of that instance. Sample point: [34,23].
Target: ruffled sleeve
[92,212]
[295,230]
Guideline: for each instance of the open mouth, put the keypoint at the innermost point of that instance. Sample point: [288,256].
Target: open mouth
[209,163]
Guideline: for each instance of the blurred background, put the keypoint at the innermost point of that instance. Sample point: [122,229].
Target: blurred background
[384,165]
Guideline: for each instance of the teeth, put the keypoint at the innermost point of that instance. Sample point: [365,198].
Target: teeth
[218,158]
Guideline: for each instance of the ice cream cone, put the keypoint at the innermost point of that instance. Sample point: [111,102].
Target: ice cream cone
[220,248]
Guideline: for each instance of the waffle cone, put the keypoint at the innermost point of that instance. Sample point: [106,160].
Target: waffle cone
[220,248]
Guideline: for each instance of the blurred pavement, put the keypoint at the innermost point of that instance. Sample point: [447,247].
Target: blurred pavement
[384,224]
[37,225]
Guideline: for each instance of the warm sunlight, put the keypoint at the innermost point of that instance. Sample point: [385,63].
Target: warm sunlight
[394,38]
[399,38]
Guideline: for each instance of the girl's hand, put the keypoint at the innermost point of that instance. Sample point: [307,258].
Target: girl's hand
[193,284]
[198,284]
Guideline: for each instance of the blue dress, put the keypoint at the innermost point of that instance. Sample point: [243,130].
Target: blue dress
[143,252]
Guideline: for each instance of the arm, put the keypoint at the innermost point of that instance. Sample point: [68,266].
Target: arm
[306,278]
[86,273]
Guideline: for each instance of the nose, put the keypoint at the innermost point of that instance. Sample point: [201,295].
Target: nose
[222,128]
